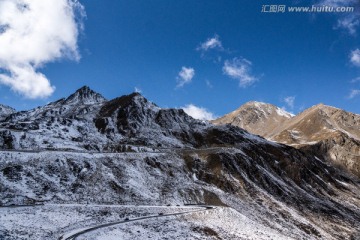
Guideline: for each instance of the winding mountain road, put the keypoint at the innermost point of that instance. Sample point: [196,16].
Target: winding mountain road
[76,233]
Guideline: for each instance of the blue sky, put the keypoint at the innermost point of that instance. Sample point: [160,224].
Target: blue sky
[212,54]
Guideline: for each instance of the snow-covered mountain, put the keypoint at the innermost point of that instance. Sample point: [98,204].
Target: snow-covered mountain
[5,111]
[63,124]
[87,121]
[139,121]
[85,149]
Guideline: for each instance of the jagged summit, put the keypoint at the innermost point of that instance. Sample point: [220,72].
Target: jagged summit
[134,100]
[142,121]
[85,95]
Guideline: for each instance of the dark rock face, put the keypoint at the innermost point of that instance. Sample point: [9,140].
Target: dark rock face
[7,140]
[142,122]
[341,150]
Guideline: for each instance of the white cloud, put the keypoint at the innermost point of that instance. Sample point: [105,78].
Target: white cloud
[33,33]
[185,76]
[355,57]
[208,84]
[211,43]
[337,3]
[348,21]
[198,112]
[240,69]
[354,93]
[290,101]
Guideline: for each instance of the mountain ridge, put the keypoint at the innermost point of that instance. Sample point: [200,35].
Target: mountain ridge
[315,129]
[256,117]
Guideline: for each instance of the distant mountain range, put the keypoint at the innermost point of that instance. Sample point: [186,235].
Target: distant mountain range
[324,131]
[85,149]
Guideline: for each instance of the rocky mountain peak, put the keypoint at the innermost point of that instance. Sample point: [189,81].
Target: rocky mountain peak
[327,131]
[140,120]
[256,117]
[85,95]
[132,102]
[6,110]
[266,108]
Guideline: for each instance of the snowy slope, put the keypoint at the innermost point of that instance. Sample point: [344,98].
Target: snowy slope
[277,188]
[64,124]
[5,111]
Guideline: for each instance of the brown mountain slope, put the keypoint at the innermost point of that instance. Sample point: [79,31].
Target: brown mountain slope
[318,123]
[325,131]
[258,118]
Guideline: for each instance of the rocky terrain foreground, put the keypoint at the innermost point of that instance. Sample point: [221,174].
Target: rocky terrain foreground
[89,168]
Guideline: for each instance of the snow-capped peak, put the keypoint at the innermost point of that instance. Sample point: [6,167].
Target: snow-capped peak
[6,110]
[284,113]
[267,108]
[86,96]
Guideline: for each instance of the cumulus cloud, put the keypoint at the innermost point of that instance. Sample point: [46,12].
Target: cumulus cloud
[210,43]
[290,101]
[185,76]
[354,93]
[355,57]
[198,112]
[33,33]
[240,69]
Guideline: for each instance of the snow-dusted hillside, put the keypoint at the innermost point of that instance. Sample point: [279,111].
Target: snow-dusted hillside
[127,151]
[5,111]
[64,124]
